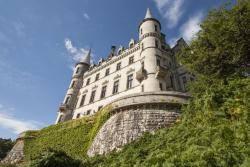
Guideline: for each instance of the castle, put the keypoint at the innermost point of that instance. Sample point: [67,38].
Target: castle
[144,68]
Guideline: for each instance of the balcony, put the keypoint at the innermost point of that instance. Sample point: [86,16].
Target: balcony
[161,72]
[63,107]
[141,74]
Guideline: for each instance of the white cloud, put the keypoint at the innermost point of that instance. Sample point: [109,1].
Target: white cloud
[171,10]
[191,27]
[86,16]
[16,125]
[75,53]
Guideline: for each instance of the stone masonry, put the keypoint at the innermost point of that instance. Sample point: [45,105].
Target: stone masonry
[125,127]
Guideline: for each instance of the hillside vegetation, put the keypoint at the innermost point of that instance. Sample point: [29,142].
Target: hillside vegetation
[72,137]
[214,129]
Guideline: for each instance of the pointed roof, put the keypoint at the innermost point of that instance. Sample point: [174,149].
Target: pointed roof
[148,14]
[86,58]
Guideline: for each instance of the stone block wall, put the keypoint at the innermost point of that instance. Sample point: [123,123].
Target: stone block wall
[126,126]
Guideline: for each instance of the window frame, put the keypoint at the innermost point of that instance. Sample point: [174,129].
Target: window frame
[118,66]
[115,87]
[83,98]
[103,92]
[130,81]
[131,60]
[92,96]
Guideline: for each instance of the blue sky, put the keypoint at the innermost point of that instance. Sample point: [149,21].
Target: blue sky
[41,40]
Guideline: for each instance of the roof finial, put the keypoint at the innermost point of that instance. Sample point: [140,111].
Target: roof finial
[148,14]
[86,58]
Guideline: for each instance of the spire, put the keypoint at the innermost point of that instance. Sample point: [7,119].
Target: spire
[86,59]
[148,14]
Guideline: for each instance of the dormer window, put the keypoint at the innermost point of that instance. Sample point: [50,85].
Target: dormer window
[131,45]
[119,52]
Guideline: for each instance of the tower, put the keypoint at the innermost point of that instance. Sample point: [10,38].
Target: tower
[67,107]
[150,42]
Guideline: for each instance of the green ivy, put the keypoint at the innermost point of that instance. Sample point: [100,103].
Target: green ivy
[72,137]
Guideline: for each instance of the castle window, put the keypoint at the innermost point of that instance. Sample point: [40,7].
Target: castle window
[77,70]
[158,62]
[129,81]
[156,28]
[142,88]
[78,115]
[131,60]
[142,46]
[100,107]
[131,45]
[67,100]
[88,81]
[184,79]
[115,87]
[97,76]
[76,102]
[73,84]
[160,86]
[156,44]
[92,97]
[103,92]
[107,72]
[171,81]
[82,100]
[119,52]
[88,112]
[142,65]
[141,30]
[118,66]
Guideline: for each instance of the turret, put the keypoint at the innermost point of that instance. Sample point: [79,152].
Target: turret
[150,42]
[68,106]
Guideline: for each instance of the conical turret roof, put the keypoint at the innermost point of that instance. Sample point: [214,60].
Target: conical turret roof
[86,59]
[148,14]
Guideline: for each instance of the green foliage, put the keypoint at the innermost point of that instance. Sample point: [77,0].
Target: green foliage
[214,129]
[210,133]
[53,158]
[72,137]
[221,48]
[5,147]
[7,165]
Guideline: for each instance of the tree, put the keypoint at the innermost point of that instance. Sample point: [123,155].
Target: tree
[222,47]
[5,147]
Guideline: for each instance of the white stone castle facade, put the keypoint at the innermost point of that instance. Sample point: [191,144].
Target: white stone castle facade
[148,65]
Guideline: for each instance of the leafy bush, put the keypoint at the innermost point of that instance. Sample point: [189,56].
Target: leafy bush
[5,147]
[52,158]
[209,133]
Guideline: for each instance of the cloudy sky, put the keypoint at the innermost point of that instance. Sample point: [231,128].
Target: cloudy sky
[41,40]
